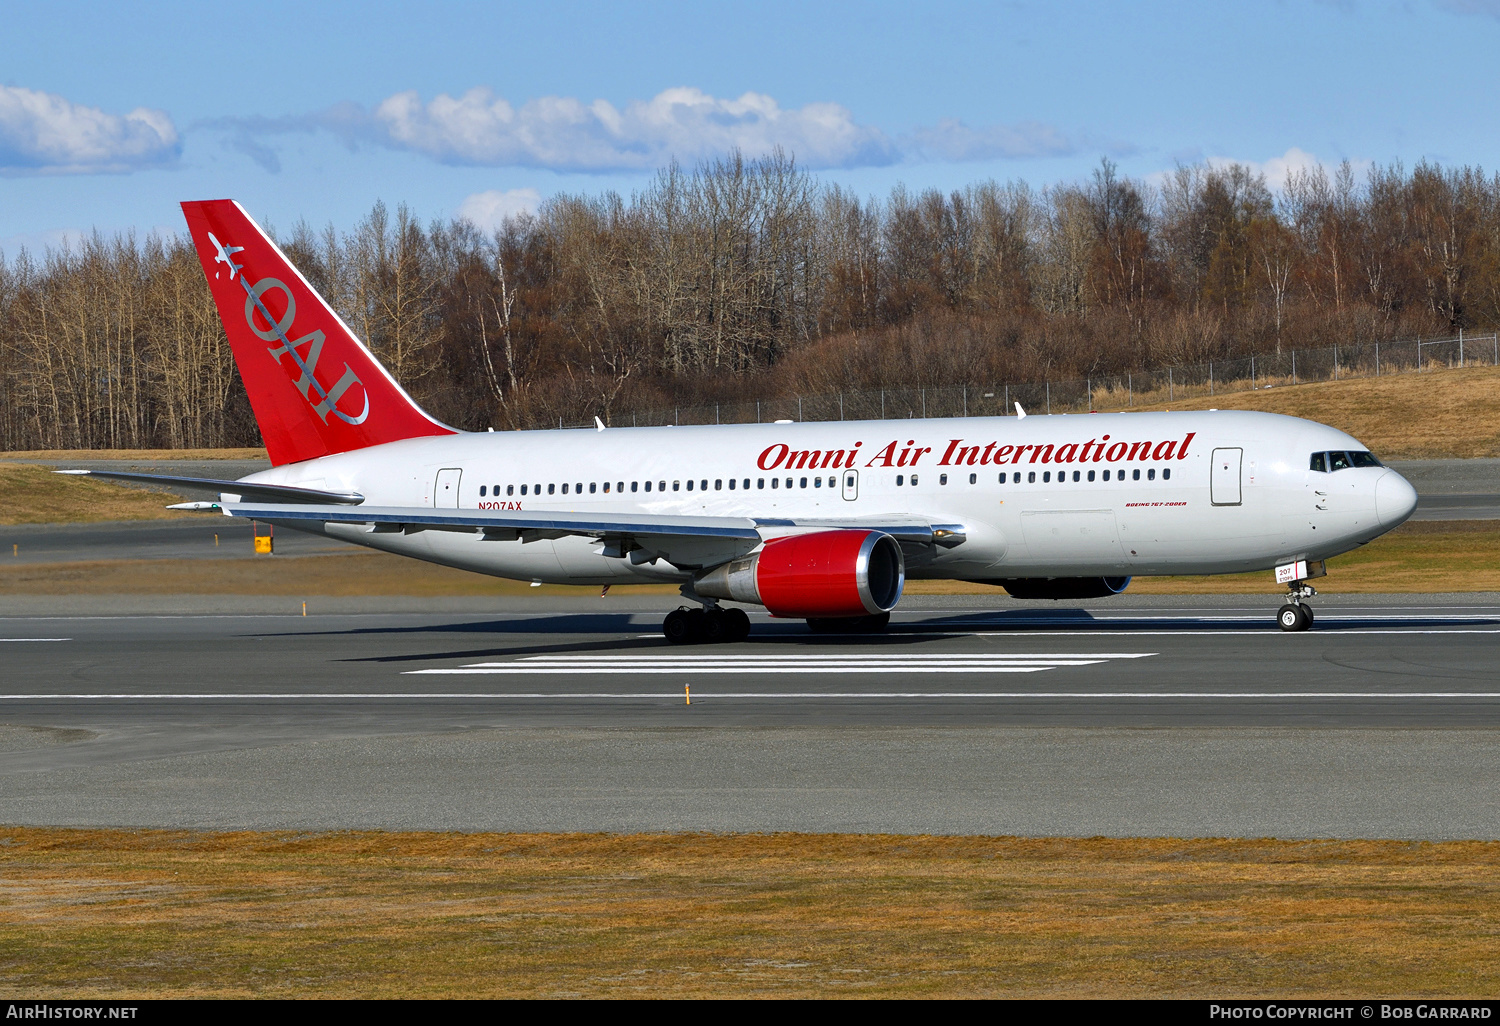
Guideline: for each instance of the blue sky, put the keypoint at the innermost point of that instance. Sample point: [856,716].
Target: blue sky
[111,115]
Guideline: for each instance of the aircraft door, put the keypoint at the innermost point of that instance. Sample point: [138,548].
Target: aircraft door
[851,485]
[1224,482]
[445,492]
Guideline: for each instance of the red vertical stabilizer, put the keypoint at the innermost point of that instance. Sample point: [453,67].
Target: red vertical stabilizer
[315,388]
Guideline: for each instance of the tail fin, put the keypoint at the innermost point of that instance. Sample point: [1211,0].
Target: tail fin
[314,387]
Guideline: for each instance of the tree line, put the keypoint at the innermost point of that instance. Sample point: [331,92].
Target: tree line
[749,278]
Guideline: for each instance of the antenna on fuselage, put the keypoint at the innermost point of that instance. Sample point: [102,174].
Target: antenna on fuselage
[1020,413]
[598,424]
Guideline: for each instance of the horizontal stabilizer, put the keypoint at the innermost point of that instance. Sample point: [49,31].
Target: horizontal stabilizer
[244,489]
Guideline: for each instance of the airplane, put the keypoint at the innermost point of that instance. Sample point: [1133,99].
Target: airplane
[822,522]
[223,254]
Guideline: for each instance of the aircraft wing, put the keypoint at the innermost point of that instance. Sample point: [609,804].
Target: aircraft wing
[243,489]
[682,540]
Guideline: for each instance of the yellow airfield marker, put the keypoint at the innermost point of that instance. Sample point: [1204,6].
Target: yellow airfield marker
[687,694]
[304,609]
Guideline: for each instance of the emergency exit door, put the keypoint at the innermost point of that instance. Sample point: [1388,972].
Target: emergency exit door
[445,493]
[1224,483]
[851,484]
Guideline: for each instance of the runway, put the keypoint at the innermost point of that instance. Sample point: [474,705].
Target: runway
[1153,717]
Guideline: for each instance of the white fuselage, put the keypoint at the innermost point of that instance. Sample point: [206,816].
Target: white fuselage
[1242,496]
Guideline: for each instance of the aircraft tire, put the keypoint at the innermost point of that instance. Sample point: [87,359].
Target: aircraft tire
[737,622]
[716,627]
[679,628]
[1291,617]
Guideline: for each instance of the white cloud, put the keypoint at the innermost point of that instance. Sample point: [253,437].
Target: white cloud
[489,208]
[43,133]
[564,133]
[951,139]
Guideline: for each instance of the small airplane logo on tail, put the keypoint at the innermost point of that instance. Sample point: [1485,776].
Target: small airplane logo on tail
[225,252]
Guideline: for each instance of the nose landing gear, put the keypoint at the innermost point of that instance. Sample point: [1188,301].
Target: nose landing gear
[1295,615]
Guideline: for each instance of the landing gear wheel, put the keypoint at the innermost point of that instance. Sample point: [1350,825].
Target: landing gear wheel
[1291,617]
[679,627]
[715,626]
[736,625]
[1307,612]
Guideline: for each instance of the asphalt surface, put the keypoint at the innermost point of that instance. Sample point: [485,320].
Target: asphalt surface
[1153,717]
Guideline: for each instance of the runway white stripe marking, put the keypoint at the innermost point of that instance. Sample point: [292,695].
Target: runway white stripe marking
[677,695]
[793,657]
[35,639]
[519,671]
[789,663]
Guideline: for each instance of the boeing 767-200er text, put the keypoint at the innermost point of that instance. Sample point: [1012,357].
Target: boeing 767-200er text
[822,522]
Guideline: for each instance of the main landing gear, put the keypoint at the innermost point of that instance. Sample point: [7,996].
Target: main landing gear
[1296,615]
[712,625]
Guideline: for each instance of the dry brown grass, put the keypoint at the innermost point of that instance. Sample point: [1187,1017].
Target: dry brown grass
[144,455]
[1434,414]
[31,494]
[115,913]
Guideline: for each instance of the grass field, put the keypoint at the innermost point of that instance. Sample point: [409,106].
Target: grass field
[1434,556]
[121,913]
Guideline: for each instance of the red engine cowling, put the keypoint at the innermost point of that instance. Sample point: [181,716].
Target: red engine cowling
[830,574]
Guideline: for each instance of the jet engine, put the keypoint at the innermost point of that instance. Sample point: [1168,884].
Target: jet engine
[1062,587]
[825,575]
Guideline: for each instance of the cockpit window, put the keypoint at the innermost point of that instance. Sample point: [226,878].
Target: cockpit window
[1365,459]
[1319,463]
[1338,461]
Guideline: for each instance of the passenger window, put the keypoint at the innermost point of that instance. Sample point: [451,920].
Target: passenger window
[552,489]
[1365,459]
[1166,475]
[594,487]
[804,482]
[788,482]
[817,482]
[703,485]
[481,491]
[1135,475]
[606,488]
[1338,461]
[523,489]
[1151,474]
[511,489]
[760,482]
[676,486]
[973,479]
[718,484]
[565,488]
[1091,474]
[849,481]
[1031,477]
[536,489]
[635,485]
[942,479]
[914,480]
[1002,477]
[620,487]
[661,486]
[578,488]
[747,484]
[731,484]
[1106,475]
[775,482]
[899,479]
[1076,475]
[1046,477]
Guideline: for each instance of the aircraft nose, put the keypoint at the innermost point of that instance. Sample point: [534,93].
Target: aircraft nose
[1395,499]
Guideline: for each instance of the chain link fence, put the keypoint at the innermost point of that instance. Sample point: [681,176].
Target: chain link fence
[1080,395]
